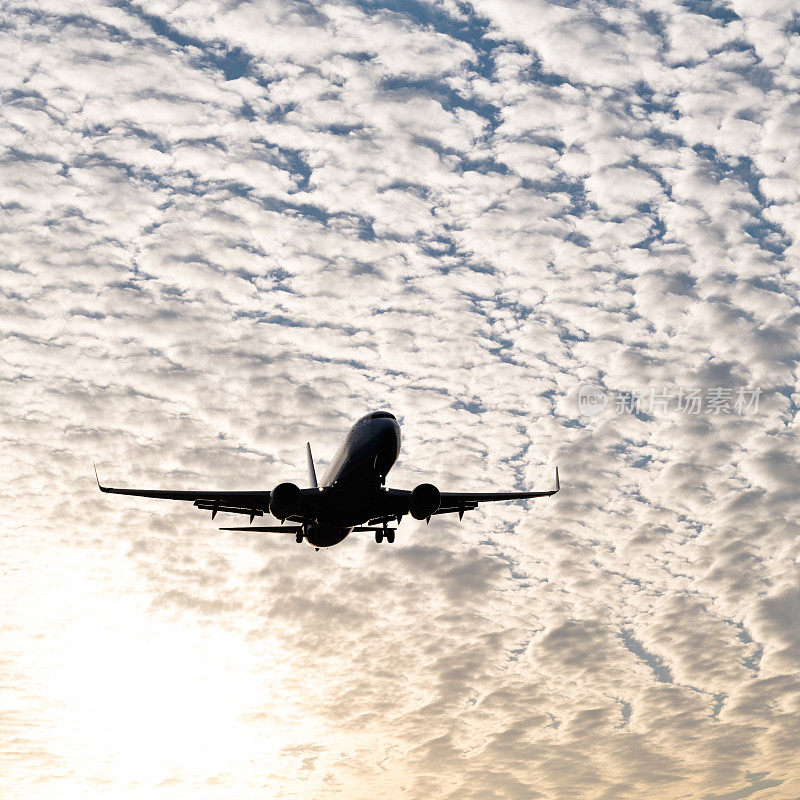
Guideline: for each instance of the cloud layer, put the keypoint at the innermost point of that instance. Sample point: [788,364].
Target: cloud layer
[229,228]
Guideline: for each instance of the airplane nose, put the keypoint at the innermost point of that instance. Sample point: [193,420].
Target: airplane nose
[388,433]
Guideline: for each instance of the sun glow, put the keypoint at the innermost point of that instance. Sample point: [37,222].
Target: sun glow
[154,701]
[145,698]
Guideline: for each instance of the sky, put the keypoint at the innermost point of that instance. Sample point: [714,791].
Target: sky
[541,234]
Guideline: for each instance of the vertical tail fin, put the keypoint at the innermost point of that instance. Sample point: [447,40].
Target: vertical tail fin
[312,474]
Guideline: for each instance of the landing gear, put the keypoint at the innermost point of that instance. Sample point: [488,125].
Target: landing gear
[298,537]
[384,533]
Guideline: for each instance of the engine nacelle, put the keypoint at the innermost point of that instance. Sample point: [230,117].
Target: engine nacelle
[284,500]
[425,500]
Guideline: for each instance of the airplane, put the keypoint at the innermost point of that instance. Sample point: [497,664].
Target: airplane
[352,497]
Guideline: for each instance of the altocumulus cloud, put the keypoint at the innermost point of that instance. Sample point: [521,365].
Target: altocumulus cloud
[231,227]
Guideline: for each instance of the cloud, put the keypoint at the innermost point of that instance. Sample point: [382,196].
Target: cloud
[229,229]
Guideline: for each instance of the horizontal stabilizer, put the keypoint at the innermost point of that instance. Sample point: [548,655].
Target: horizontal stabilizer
[268,529]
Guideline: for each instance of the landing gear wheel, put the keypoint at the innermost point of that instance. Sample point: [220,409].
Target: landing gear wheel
[378,536]
[390,537]
[298,537]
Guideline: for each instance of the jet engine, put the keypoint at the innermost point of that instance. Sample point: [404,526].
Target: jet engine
[284,500]
[425,500]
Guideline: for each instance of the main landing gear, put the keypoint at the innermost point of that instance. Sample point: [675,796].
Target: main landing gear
[387,533]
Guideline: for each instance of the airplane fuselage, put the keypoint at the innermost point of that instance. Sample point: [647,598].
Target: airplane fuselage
[353,483]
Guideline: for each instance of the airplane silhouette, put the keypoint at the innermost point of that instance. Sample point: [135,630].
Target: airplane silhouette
[352,497]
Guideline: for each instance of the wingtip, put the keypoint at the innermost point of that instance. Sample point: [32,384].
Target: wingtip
[558,484]
[101,488]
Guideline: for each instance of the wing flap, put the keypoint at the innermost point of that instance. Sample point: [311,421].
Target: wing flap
[449,508]
[216,507]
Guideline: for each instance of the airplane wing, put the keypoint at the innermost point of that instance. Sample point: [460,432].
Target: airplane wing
[253,503]
[459,502]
